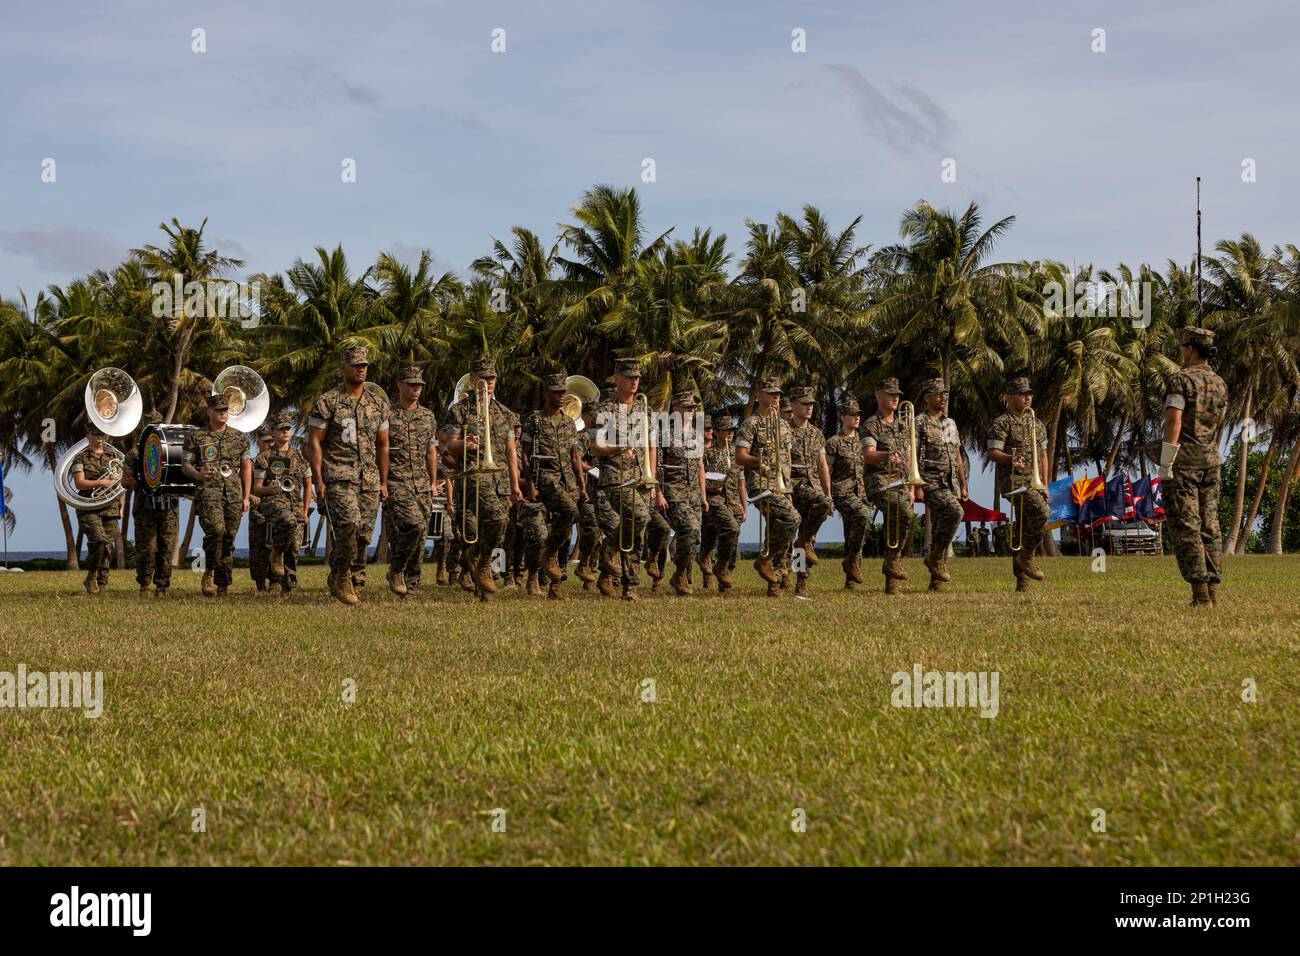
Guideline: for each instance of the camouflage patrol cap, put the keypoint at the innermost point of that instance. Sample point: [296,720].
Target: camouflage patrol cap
[889,386]
[770,384]
[1203,339]
[282,420]
[264,433]
[785,404]
[357,355]
[933,386]
[723,423]
[850,406]
[217,403]
[805,394]
[486,367]
[554,382]
[685,399]
[628,366]
[1019,386]
[92,428]
[411,375]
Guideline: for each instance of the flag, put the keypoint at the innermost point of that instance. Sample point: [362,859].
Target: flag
[1148,499]
[973,512]
[1089,495]
[1119,499]
[1063,508]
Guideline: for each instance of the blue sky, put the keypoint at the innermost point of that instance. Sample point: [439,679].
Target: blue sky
[1094,153]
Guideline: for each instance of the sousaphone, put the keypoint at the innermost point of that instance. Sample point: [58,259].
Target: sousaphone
[247,395]
[114,404]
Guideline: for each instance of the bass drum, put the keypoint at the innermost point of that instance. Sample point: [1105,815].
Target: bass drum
[161,453]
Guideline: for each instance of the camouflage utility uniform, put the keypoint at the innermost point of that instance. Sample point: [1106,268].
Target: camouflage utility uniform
[721,529]
[99,525]
[219,502]
[894,504]
[617,499]
[549,441]
[1192,492]
[493,490]
[282,512]
[939,453]
[778,511]
[411,433]
[157,528]
[848,489]
[1010,434]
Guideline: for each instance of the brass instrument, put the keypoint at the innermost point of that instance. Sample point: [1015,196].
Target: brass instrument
[644,481]
[578,391]
[484,461]
[114,404]
[246,394]
[894,476]
[1036,483]
[772,447]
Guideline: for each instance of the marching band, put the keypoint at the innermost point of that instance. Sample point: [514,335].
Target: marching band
[591,458]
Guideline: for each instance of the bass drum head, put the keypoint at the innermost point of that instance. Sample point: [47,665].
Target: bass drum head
[161,452]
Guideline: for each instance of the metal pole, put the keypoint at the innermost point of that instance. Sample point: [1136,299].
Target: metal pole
[1198,251]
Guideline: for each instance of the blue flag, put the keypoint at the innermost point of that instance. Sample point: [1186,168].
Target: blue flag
[1119,498]
[1148,501]
[1064,509]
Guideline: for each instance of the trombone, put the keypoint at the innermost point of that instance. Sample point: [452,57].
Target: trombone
[894,477]
[1017,542]
[772,449]
[644,481]
[484,462]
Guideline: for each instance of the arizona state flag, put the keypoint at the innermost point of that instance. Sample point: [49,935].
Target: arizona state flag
[1089,496]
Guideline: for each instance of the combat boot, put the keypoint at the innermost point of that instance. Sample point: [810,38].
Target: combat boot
[159,593]
[1031,568]
[480,570]
[681,584]
[785,579]
[605,584]
[221,590]
[261,585]
[891,585]
[532,587]
[551,565]
[763,566]
[1213,588]
[773,589]
[145,594]
[277,563]
[801,585]
[397,582]
[553,593]
[343,589]
[934,562]
[809,555]
[853,569]
[1201,596]
[584,573]
[208,586]
[723,575]
[629,592]
[442,578]
[464,580]
[1022,582]
[893,567]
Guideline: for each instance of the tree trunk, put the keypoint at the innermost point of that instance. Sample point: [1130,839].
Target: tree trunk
[1244,537]
[182,348]
[1239,496]
[189,533]
[1283,498]
[315,539]
[1114,449]
[69,539]
[123,526]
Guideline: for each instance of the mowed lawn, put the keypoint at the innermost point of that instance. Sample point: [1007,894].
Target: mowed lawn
[1113,695]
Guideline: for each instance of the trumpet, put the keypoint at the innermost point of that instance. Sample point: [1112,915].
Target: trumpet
[773,450]
[288,486]
[484,461]
[1036,483]
[644,481]
[894,476]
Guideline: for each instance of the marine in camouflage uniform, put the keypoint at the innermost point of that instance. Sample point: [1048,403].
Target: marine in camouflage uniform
[812,483]
[884,456]
[1010,446]
[554,469]
[259,538]
[347,447]
[495,493]
[754,453]
[219,500]
[449,552]
[939,454]
[722,519]
[622,506]
[156,519]
[99,525]
[412,478]
[283,513]
[1190,465]
[848,488]
[681,493]
[588,526]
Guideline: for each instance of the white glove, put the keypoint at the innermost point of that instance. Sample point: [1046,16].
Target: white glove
[1168,452]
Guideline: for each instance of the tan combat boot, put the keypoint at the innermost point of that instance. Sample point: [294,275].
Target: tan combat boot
[208,586]
[680,582]
[397,582]
[277,563]
[1022,582]
[145,593]
[723,574]
[343,589]
[801,585]
[1201,596]
[891,585]
[853,569]
[1030,565]
[1213,588]
[934,562]
[551,565]
[605,584]
[442,578]
[532,587]
[893,567]
[480,569]
[809,555]
[773,589]
[706,571]
[553,593]
[763,566]
[629,592]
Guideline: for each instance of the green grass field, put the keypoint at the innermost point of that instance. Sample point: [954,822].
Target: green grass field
[1113,695]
